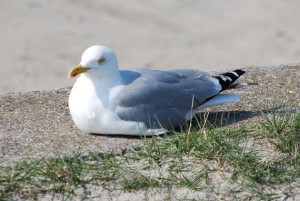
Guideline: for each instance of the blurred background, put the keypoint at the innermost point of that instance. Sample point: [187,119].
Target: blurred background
[41,39]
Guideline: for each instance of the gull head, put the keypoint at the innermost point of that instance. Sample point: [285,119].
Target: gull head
[97,62]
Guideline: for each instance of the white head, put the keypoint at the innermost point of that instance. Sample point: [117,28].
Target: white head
[97,62]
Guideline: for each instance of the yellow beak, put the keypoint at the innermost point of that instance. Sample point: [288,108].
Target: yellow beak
[77,70]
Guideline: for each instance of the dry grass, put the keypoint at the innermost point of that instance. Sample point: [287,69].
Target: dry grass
[230,163]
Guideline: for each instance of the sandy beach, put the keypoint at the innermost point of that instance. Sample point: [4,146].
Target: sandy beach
[38,124]
[41,40]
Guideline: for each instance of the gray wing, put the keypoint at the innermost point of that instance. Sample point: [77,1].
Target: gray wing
[163,98]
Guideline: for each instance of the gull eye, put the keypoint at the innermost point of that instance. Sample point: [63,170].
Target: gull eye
[101,60]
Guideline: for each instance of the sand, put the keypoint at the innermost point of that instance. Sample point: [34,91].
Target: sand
[38,124]
[41,40]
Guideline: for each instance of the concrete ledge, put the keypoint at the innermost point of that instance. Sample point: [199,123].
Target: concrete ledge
[38,123]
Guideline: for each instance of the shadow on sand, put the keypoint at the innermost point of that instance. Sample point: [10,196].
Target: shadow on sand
[213,119]
[222,118]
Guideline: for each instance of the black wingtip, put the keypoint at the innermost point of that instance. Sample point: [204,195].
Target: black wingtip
[226,79]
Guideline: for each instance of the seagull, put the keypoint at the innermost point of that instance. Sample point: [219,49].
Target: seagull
[140,102]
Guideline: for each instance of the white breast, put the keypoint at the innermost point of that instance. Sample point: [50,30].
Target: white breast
[84,105]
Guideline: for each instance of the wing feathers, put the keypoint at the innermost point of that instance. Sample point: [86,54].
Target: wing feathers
[226,79]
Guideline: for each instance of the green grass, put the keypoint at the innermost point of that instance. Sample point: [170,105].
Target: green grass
[189,159]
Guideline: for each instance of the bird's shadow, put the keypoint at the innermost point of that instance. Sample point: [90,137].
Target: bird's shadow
[212,119]
[222,118]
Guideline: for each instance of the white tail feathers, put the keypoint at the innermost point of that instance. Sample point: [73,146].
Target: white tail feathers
[220,99]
